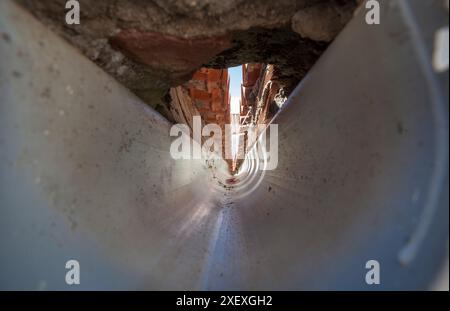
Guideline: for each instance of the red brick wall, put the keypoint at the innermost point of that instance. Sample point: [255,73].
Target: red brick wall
[259,80]
[207,95]
[250,75]
[208,89]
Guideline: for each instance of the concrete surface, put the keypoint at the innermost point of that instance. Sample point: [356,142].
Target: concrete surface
[363,174]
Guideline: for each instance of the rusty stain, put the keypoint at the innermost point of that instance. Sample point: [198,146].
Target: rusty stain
[163,51]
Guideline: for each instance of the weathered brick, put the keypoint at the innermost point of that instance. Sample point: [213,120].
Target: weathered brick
[197,94]
[216,96]
[214,75]
[220,118]
[200,76]
[216,106]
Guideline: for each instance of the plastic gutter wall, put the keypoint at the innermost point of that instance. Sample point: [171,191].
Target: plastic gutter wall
[86,174]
